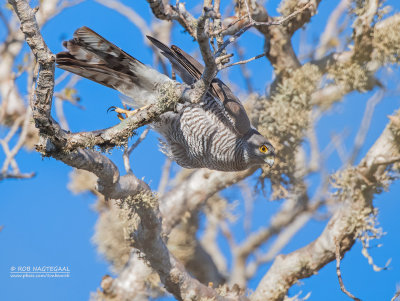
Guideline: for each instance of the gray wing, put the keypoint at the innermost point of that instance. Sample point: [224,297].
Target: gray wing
[93,57]
[190,70]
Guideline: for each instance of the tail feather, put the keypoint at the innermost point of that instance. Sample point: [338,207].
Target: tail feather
[93,57]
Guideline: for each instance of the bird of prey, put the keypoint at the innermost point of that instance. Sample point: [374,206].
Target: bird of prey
[215,133]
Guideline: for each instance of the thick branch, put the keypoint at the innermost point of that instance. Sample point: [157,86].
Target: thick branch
[210,70]
[178,13]
[147,238]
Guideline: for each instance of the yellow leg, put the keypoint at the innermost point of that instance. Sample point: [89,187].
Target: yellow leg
[121,112]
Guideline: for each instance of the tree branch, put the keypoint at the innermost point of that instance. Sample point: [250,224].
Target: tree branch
[339,273]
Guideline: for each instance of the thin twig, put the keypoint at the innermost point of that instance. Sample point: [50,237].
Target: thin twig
[233,39]
[243,62]
[365,124]
[10,154]
[337,143]
[287,18]
[59,110]
[255,23]
[245,72]
[128,151]
[218,32]
[60,79]
[165,176]
[396,295]
[332,29]
[8,175]
[129,13]
[227,233]
[248,199]
[339,274]
[5,21]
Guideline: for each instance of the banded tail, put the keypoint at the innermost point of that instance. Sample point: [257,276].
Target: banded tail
[93,57]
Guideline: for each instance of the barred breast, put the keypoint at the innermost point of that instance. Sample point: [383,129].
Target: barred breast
[199,135]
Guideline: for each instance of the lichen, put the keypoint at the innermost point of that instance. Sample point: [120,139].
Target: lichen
[386,41]
[286,116]
[287,7]
[110,237]
[116,226]
[369,230]
[81,181]
[286,113]
[350,76]
[169,95]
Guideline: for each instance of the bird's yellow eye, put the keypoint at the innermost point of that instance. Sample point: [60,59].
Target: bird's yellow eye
[263,149]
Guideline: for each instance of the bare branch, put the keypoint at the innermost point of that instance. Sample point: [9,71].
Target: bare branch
[291,210]
[244,61]
[365,123]
[330,33]
[210,70]
[339,274]
[10,154]
[281,241]
[165,174]
[396,295]
[128,151]
[129,13]
[245,72]
[178,13]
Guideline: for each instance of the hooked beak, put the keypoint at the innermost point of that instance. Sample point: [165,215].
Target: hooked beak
[270,160]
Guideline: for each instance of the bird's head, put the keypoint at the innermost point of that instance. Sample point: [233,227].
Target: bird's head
[259,150]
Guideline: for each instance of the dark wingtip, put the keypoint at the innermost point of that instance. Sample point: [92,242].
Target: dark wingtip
[160,45]
[153,40]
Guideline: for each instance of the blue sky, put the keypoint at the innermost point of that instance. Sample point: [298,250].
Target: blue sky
[44,224]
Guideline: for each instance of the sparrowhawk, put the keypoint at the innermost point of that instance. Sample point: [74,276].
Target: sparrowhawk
[215,133]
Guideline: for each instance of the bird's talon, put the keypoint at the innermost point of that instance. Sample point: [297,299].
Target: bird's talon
[112,109]
[121,112]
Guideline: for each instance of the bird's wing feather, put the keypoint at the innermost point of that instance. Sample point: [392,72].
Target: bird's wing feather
[190,70]
[91,56]
[176,63]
